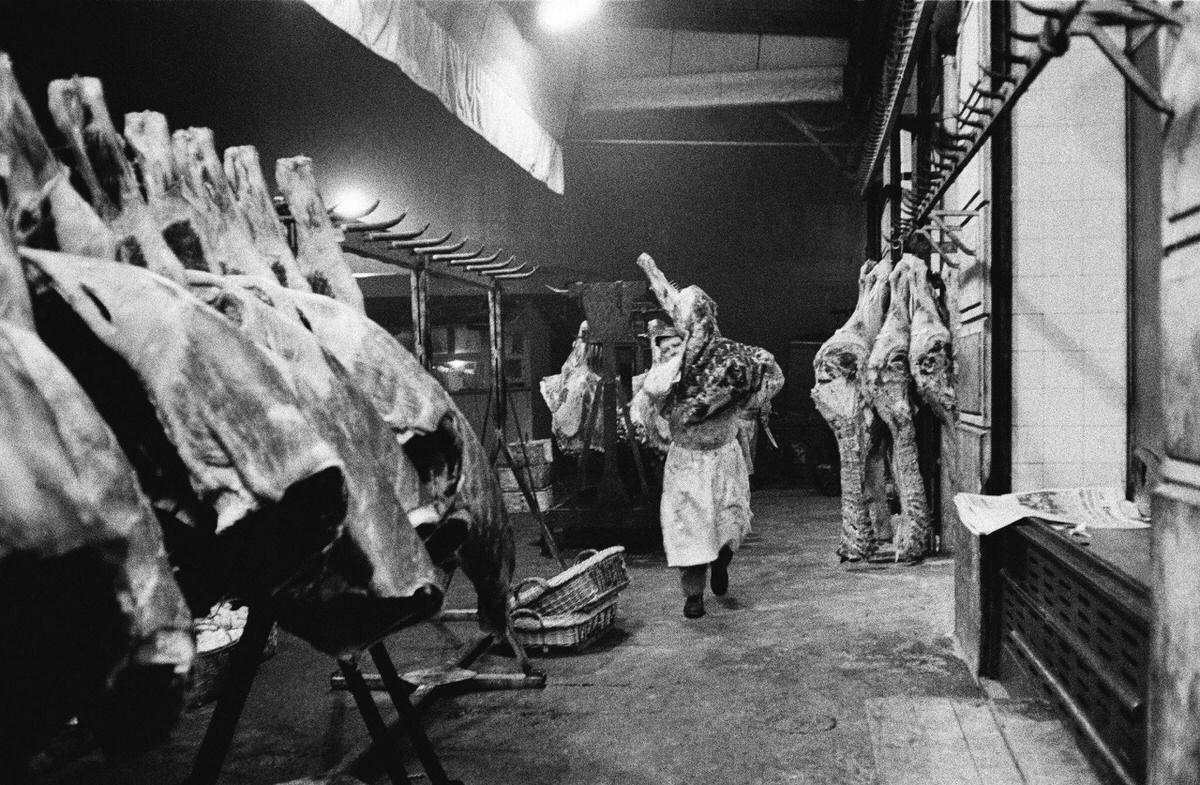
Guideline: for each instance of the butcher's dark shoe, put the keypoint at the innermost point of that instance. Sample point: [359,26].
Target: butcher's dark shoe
[694,607]
[719,575]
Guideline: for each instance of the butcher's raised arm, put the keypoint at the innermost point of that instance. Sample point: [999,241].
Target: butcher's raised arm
[664,292]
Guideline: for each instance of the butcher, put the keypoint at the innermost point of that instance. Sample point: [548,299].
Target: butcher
[703,384]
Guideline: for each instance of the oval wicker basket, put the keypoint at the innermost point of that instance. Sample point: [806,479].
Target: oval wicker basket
[595,576]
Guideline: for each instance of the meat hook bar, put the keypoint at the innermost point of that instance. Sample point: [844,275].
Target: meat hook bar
[377,226]
[409,235]
[503,270]
[515,275]
[1052,43]
[475,268]
[452,257]
[414,245]
[360,214]
[444,249]
[469,260]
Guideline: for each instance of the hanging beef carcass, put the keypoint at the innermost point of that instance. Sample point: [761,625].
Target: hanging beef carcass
[571,396]
[458,483]
[250,192]
[80,113]
[929,353]
[889,382]
[179,221]
[97,626]
[42,209]
[378,577]
[318,250]
[222,222]
[842,398]
[249,495]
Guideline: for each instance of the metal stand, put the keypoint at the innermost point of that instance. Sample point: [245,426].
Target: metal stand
[243,666]
[374,721]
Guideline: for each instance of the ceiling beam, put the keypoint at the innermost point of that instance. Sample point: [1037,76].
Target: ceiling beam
[816,84]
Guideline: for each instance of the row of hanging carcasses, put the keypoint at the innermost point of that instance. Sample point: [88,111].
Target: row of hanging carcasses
[190,413]
[892,354]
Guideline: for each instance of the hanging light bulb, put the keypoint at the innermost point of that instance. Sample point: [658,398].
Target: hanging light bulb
[559,16]
[350,201]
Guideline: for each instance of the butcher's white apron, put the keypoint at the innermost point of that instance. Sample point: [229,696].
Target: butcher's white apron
[705,502]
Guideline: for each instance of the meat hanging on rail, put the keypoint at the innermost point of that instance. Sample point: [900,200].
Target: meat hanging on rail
[249,189]
[458,483]
[378,577]
[104,631]
[78,108]
[842,398]
[929,353]
[319,252]
[889,381]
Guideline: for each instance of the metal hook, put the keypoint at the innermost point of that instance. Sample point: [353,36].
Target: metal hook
[414,245]
[443,249]
[453,258]
[469,260]
[374,227]
[409,235]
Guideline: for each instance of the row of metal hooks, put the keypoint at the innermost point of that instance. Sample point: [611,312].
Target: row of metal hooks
[431,249]
[995,92]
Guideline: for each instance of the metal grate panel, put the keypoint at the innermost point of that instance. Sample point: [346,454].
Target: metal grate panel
[1091,644]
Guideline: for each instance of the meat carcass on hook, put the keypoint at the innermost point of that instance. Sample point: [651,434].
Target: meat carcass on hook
[889,381]
[42,209]
[249,494]
[250,191]
[930,357]
[840,394]
[179,222]
[103,629]
[318,252]
[378,577]
[78,108]
[225,227]
[458,482]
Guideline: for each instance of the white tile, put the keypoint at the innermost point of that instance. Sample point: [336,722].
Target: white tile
[1028,332]
[1103,444]
[1063,369]
[1105,294]
[1064,407]
[1029,444]
[1110,367]
[1111,474]
[1104,406]
[1063,443]
[1060,475]
[1028,476]
[1029,407]
[1101,329]
[1029,373]
[1030,218]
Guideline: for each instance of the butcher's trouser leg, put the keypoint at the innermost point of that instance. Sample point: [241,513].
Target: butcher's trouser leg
[692,580]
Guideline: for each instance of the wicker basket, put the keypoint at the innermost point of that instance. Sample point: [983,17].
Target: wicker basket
[595,576]
[568,630]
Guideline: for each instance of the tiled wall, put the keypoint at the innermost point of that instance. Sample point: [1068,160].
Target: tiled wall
[1069,307]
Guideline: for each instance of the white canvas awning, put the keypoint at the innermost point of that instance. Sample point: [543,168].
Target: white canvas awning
[510,115]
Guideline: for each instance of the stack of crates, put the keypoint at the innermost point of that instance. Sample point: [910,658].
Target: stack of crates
[535,461]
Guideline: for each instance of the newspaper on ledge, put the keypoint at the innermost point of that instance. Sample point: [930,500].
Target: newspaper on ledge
[1093,507]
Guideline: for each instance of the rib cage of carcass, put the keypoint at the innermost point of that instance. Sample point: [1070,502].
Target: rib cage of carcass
[275,444]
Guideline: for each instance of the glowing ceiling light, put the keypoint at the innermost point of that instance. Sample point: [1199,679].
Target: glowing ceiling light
[351,201]
[561,15]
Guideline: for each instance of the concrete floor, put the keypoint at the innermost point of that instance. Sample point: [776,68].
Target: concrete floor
[775,685]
